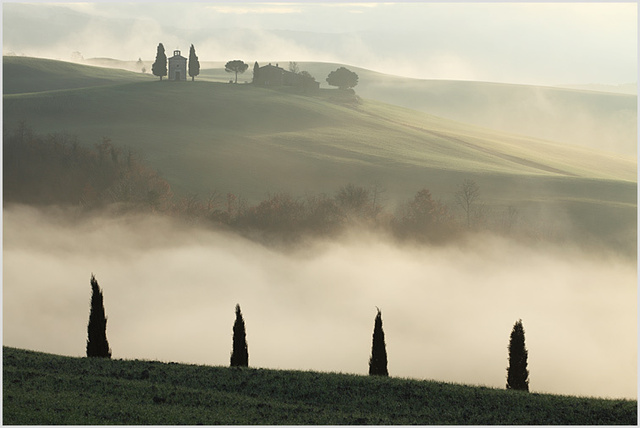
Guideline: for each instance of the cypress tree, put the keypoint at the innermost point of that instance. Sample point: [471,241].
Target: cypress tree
[240,351]
[378,360]
[256,72]
[194,64]
[517,373]
[159,67]
[97,345]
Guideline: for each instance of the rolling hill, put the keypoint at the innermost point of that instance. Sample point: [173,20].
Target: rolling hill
[24,75]
[206,136]
[589,116]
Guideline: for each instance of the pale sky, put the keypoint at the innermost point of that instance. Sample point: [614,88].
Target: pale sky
[533,43]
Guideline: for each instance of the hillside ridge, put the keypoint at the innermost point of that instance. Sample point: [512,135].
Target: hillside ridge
[41,388]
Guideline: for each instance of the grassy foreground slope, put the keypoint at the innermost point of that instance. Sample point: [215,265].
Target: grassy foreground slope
[42,388]
[206,136]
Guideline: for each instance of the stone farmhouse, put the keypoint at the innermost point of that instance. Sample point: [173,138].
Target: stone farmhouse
[177,67]
[274,75]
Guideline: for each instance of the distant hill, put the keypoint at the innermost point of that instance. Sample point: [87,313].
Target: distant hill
[24,75]
[205,136]
[627,88]
[600,120]
[594,116]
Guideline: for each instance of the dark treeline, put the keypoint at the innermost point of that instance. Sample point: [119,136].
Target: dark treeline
[283,218]
[57,169]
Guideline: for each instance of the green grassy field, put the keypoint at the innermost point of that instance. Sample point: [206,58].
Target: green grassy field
[49,389]
[204,136]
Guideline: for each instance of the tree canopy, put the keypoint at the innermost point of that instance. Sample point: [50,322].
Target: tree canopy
[342,78]
[237,66]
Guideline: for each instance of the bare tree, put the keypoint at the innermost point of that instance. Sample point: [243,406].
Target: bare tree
[466,196]
[509,219]
[214,201]
[293,67]
[376,192]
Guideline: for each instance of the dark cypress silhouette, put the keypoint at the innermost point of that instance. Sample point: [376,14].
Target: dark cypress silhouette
[240,351]
[378,360]
[159,67]
[97,345]
[194,64]
[256,72]
[517,373]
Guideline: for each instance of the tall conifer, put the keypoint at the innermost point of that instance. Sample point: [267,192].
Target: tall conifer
[240,350]
[194,64]
[378,360]
[97,345]
[256,72]
[159,67]
[517,373]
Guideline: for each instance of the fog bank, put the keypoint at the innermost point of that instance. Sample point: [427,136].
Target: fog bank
[170,292]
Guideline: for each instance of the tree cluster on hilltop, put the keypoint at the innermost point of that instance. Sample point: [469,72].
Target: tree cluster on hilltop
[342,77]
[159,67]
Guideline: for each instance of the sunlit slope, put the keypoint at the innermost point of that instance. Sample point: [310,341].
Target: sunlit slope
[606,121]
[24,74]
[204,135]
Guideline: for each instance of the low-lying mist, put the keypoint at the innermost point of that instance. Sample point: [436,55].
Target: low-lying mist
[170,290]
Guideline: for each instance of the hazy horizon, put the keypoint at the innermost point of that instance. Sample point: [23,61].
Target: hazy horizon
[526,43]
